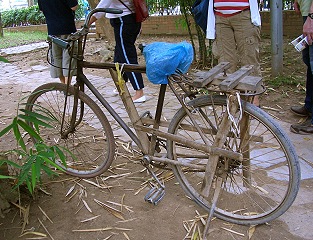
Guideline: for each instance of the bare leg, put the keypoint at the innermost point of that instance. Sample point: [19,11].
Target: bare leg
[138,94]
[62,79]
[256,101]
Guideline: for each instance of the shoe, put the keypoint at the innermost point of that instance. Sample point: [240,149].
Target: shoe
[300,111]
[302,128]
[115,92]
[140,100]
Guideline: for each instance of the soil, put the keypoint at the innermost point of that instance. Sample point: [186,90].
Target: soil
[112,205]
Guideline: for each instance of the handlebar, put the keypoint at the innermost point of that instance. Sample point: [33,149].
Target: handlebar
[64,43]
[106,10]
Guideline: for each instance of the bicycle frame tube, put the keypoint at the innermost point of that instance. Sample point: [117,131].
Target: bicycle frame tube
[132,135]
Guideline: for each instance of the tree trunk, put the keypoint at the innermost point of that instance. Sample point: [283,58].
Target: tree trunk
[104,23]
[1,29]
[30,3]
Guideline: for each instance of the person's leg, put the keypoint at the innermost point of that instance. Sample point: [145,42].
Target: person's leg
[66,59]
[56,62]
[225,42]
[126,30]
[309,86]
[247,37]
[307,126]
[306,109]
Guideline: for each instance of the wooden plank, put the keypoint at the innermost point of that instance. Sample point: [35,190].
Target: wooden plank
[203,78]
[232,80]
[249,83]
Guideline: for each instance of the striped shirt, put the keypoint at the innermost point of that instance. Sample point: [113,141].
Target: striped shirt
[227,8]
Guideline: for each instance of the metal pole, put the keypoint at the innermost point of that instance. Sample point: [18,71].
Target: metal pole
[277,36]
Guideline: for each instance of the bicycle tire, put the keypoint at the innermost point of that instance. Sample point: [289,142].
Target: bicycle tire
[255,191]
[91,144]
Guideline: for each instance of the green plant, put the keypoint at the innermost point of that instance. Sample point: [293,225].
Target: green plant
[282,81]
[80,11]
[21,17]
[35,159]
[2,59]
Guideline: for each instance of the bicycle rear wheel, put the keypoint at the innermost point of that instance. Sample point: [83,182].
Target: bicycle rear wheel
[91,141]
[254,191]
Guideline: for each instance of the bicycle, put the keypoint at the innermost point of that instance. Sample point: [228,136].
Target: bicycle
[221,148]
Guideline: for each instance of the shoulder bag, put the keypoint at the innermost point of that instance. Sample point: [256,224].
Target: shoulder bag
[141,9]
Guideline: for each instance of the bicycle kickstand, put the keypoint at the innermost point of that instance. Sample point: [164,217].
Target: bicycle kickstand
[214,202]
[156,193]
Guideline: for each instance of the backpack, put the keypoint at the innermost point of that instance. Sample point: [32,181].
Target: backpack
[199,10]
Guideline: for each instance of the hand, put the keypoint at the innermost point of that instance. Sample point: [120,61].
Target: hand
[308,30]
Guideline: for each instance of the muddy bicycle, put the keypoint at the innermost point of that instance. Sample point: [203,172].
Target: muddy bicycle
[228,155]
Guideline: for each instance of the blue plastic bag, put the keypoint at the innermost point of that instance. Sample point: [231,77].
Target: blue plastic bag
[162,60]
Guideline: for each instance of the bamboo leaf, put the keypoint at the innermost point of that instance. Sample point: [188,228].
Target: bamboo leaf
[28,184]
[35,115]
[18,135]
[53,164]
[48,170]
[29,129]
[251,231]
[34,176]
[2,59]
[60,154]
[35,120]
[86,205]
[5,130]
[13,164]
[6,177]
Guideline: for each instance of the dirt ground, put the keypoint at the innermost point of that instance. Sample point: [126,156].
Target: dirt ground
[112,205]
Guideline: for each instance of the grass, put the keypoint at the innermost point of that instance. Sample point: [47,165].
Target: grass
[13,39]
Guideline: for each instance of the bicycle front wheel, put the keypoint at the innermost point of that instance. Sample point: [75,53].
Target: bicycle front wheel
[255,190]
[85,134]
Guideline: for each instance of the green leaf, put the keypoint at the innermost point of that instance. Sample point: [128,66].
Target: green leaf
[35,115]
[28,129]
[13,164]
[5,130]
[2,59]
[45,112]
[38,167]
[52,163]
[25,171]
[48,170]
[47,154]
[18,135]
[29,186]
[34,176]
[60,154]
[34,120]
[6,177]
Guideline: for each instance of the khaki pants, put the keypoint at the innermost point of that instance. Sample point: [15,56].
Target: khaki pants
[237,41]
[60,60]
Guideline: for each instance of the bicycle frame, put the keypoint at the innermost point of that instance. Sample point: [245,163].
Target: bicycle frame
[141,138]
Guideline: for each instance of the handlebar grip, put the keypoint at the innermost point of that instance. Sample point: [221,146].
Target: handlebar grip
[111,10]
[58,41]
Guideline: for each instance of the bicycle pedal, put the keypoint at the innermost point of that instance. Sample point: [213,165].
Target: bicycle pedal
[155,195]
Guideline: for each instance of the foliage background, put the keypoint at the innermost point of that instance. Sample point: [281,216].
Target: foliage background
[31,16]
